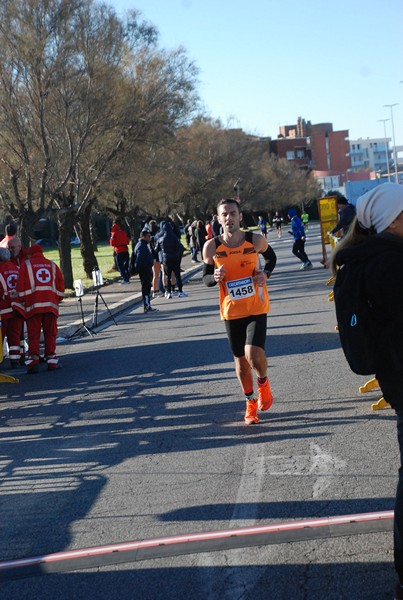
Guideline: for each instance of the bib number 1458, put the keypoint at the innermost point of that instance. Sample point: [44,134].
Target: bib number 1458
[240,288]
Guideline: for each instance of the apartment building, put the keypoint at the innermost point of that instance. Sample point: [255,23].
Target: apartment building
[314,146]
[371,154]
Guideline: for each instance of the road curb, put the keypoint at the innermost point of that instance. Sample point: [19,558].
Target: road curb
[68,331]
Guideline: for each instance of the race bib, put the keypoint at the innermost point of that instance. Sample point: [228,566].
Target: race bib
[240,288]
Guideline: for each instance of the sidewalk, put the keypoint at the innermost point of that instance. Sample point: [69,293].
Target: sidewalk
[117,298]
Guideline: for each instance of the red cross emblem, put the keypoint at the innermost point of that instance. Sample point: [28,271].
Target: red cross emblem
[12,281]
[43,275]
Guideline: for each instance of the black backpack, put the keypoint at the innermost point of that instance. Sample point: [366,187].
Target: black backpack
[359,327]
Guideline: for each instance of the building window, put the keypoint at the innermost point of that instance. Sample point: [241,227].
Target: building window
[290,155]
[300,154]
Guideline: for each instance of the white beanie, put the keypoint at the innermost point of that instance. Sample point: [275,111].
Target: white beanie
[379,207]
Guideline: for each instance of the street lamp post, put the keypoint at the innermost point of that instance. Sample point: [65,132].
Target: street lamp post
[386,145]
[237,188]
[393,136]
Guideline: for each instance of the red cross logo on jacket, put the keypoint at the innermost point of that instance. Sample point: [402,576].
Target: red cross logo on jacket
[43,275]
[12,281]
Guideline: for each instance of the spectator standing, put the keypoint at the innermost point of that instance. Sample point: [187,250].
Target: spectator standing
[156,268]
[142,263]
[187,232]
[171,250]
[209,230]
[298,231]
[40,289]
[18,257]
[193,242]
[374,244]
[120,241]
[215,224]
[12,323]
[200,235]
[345,214]
[18,253]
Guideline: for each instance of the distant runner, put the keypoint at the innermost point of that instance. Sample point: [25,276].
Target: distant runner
[305,220]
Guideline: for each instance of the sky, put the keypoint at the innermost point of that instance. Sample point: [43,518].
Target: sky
[264,63]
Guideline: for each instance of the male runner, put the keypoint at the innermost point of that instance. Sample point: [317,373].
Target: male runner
[231,260]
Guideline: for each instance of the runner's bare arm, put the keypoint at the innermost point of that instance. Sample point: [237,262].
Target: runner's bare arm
[211,276]
[209,251]
[208,264]
[261,245]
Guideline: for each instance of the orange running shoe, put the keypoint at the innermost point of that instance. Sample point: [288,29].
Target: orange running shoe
[265,396]
[251,412]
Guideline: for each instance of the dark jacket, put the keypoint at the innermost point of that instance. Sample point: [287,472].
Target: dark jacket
[382,258]
[142,258]
[200,234]
[168,245]
[215,224]
[345,218]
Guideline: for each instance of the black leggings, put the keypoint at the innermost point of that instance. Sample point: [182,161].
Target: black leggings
[392,392]
[175,267]
[145,278]
[249,331]
[299,250]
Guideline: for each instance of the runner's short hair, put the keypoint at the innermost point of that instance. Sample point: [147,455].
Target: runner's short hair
[228,201]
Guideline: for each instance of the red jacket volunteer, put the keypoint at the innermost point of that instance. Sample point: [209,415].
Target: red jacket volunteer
[120,242]
[12,323]
[40,289]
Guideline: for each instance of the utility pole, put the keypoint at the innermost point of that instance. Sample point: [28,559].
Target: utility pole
[386,145]
[237,188]
[393,136]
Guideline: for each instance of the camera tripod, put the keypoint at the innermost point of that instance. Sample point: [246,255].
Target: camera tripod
[83,326]
[96,305]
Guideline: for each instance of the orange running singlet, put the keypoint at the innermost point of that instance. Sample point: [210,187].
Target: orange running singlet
[239,296]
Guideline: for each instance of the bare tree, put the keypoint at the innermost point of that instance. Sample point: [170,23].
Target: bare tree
[79,89]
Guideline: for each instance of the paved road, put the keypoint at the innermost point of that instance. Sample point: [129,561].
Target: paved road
[140,435]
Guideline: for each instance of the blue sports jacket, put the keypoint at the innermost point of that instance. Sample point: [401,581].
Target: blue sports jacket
[297,228]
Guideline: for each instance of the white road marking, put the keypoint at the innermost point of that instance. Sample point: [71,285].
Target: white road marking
[318,462]
[325,466]
[235,582]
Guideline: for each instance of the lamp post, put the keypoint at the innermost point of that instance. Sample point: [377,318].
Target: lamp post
[237,188]
[386,145]
[393,136]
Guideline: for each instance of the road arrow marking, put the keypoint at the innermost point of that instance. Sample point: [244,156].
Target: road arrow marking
[317,463]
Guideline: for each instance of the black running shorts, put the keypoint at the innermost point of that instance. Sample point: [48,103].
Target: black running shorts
[249,331]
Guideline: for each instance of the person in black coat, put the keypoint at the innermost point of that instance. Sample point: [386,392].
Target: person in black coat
[142,262]
[170,251]
[346,214]
[200,234]
[375,242]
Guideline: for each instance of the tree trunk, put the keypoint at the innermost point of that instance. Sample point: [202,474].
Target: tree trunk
[66,220]
[94,236]
[86,246]
[26,227]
